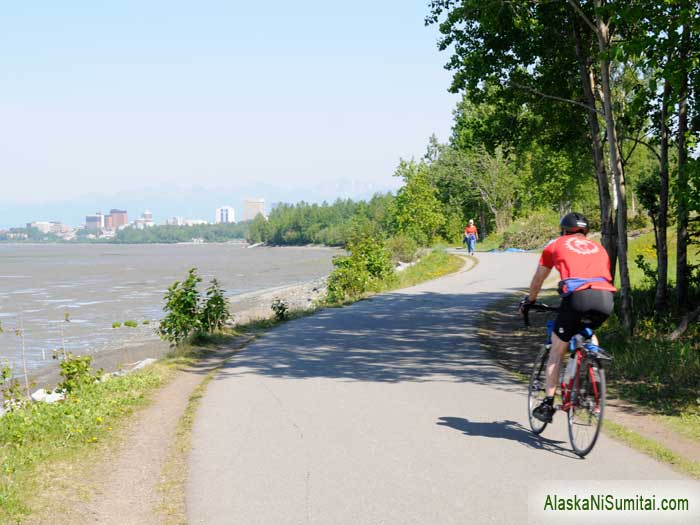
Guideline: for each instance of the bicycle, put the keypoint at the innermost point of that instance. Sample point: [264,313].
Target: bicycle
[582,385]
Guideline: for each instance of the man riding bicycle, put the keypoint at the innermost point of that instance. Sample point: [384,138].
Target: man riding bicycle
[586,290]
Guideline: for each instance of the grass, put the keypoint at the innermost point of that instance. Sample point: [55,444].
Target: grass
[174,474]
[40,433]
[436,264]
[652,448]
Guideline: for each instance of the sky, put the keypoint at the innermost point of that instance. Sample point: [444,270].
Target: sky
[105,101]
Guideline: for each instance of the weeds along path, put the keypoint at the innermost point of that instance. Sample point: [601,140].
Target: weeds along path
[139,480]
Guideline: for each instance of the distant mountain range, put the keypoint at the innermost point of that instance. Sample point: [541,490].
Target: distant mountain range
[194,202]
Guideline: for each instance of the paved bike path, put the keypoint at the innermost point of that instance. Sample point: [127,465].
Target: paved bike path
[386,411]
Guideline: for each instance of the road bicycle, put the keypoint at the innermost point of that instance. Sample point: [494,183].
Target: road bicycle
[581,386]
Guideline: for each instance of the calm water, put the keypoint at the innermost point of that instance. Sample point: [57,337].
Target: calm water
[97,285]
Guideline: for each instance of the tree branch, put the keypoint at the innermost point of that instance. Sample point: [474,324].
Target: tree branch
[683,326]
[637,141]
[560,99]
[579,11]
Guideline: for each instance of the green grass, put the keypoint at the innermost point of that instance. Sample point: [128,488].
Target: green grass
[131,324]
[40,433]
[652,448]
[436,264]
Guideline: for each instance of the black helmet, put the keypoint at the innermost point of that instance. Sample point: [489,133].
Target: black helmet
[573,223]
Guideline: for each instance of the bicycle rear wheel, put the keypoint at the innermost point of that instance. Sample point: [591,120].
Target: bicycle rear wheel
[536,390]
[585,415]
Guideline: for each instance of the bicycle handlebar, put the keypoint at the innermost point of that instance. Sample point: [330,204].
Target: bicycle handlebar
[539,307]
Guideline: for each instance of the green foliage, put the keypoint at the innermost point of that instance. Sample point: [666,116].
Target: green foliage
[131,324]
[174,234]
[368,265]
[76,371]
[35,435]
[214,312]
[188,313]
[146,321]
[116,324]
[531,233]
[649,272]
[402,248]
[417,211]
[9,386]
[280,309]
[182,317]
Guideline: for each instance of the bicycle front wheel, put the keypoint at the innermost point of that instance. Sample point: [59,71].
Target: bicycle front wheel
[536,390]
[587,407]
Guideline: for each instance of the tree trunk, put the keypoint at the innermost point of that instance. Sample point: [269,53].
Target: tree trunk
[607,225]
[682,213]
[661,298]
[618,174]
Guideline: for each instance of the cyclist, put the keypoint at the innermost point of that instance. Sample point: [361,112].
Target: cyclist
[586,290]
[471,235]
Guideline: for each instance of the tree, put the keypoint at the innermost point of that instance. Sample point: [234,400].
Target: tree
[417,210]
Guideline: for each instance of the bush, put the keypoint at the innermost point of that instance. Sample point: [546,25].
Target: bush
[402,248]
[348,280]
[116,324]
[215,311]
[531,233]
[76,371]
[182,307]
[368,264]
[188,313]
[131,324]
[281,310]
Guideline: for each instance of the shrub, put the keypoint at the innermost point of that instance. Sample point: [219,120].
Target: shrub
[368,264]
[116,324]
[215,310]
[146,321]
[188,313]
[76,371]
[9,386]
[402,248]
[131,324]
[281,309]
[182,306]
[531,233]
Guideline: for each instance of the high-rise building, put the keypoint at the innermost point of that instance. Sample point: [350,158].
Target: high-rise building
[225,215]
[94,222]
[119,218]
[252,208]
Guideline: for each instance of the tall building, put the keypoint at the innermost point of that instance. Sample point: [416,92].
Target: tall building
[94,222]
[225,215]
[253,207]
[119,218]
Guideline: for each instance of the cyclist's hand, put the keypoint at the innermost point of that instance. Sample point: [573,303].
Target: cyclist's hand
[524,305]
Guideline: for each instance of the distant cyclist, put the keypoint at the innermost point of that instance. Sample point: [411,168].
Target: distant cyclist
[586,290]
[471,235]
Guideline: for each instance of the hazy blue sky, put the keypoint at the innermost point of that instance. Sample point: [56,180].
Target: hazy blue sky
[113,96]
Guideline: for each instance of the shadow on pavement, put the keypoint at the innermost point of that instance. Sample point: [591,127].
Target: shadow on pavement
[510,430]
[389,338]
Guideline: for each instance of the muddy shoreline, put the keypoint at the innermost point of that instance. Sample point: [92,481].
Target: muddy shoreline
[244,308]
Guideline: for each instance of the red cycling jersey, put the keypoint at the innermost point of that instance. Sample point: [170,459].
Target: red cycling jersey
[576,256]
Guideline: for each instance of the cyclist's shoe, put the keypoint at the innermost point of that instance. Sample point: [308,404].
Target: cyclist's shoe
[544,412]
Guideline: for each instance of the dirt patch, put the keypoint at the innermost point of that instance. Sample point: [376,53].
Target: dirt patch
[122,483]
[515,347]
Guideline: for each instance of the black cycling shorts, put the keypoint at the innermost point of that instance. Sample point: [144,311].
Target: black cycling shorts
[584,309]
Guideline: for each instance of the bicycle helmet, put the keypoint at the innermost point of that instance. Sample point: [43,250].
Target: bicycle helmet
[573,223]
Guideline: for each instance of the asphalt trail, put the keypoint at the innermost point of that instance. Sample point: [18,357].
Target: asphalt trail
[386,411]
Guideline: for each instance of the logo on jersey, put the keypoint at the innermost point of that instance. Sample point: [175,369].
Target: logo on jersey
[581,246]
